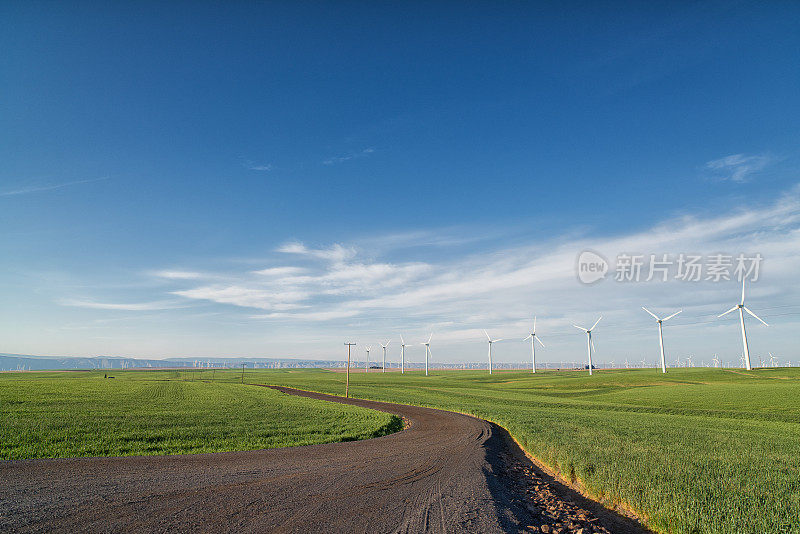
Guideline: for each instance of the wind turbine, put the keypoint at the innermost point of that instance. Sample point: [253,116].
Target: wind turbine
[661,335]
[716,361]
[366,363]
[742,308]
[490,349]
[772,361]
[589,343]
[402,355]
[533,337]
[384,354]
[689,361]
[427,352]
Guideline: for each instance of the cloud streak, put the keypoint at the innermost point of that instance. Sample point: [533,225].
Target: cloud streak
[37,189]
[738,167]
[349,156]
[261,167]
[128,306]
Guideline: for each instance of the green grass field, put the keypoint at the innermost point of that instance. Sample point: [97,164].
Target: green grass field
[55,415]
[695,450]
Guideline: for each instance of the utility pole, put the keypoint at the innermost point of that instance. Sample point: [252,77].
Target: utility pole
[347,383]
[242,372]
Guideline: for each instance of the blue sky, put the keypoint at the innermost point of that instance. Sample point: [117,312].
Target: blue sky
[160,162]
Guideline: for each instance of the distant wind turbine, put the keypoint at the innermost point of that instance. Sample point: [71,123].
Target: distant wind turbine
[366,363]
[661,335]
[533,337]
[490,349]
[427,352]
[742,308]
[589,342]
[772,361]
[716,361]
[402,355]
[384,354]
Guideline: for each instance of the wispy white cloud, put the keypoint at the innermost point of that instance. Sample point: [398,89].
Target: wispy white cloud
[178,275]
[738,167]
[340,289]
[51,187]
[281,271]
[252,166]
[336,253]
[349,156]
[128,306]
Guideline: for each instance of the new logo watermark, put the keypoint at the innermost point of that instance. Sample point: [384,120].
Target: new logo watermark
[591,267]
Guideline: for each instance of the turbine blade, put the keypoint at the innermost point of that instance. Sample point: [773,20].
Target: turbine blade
[595,323]
[580,328]
[496,340]
[487,335]
[754,315]
[727,312]
[534,323]
[430,337]
[671,316]
[527,338]
[401,340]
[539,340]
[387,343]
[651,313]
[743,279]
[594,350]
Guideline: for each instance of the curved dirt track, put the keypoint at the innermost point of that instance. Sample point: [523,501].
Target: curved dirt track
[446,473]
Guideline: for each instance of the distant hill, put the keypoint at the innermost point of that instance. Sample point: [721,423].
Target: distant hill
[22,362]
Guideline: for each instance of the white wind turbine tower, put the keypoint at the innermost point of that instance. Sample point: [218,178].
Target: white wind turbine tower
[589,343]
[490,349]
[742,308]
[661,335]
[772,361]
[716,361]
[402,355]
[427,352]
[384,354]
[366,363]
[533,337]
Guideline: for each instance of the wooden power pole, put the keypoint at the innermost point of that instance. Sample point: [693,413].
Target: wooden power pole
[347,383]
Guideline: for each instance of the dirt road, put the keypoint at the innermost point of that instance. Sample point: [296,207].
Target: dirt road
[446,473]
